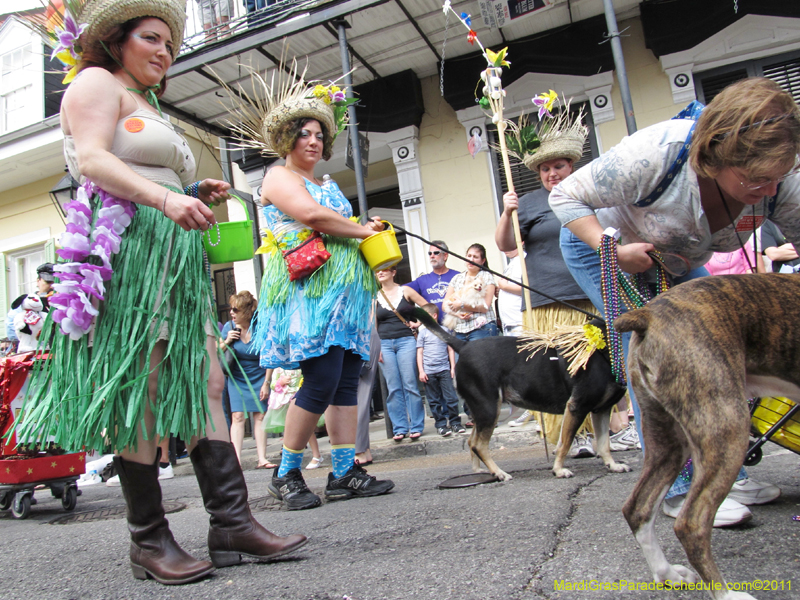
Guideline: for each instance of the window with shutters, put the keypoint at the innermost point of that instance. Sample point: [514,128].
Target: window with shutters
[523,178]
[784,69]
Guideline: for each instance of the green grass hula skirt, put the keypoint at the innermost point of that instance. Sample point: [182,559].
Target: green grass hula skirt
[90,396]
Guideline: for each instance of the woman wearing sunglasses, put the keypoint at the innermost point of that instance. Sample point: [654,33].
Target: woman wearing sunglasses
[687,189]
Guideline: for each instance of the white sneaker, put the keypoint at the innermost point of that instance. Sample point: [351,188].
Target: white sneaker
[625,439]
[748,491]
[113,481]
[582,447]
[522,419]
[730,512]
[166,472]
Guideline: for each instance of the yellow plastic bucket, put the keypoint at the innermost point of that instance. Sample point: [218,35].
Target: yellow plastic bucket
[381,249]
[231,241]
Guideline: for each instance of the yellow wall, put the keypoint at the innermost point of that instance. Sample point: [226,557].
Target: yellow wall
[649,85]
[457,189]
[29,208]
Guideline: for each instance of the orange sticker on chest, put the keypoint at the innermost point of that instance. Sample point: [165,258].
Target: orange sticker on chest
[134,125]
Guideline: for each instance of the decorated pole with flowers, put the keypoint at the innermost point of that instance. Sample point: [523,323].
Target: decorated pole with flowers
[492,99]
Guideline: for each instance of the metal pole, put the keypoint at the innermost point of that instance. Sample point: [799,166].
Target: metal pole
[619,64]
[352,126]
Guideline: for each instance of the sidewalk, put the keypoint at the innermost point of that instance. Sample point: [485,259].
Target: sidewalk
[383,448]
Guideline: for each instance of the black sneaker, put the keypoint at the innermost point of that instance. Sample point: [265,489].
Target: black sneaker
[445,431]
[292,490]
[459,429]
[356,482]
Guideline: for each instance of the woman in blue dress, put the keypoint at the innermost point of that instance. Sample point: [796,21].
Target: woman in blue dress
[247,386]
[319,323]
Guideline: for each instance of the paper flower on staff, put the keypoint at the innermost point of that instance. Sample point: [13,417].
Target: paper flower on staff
[545,103]
[471,37]
[467,19]
[498,59]
[446,6]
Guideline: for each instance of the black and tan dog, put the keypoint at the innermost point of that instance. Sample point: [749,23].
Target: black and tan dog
[494,369]
[698,352]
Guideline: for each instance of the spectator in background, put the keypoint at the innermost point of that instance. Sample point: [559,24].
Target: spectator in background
[215,15]
[778,249]
[509,298]
[741,261]
[433,286]
[436,362]
[44,280]
[399,356]
[246,374]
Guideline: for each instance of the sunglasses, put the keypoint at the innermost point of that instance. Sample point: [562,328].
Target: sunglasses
[434,253]
[234,310]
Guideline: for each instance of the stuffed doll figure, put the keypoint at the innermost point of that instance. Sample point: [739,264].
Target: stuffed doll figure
[28,323]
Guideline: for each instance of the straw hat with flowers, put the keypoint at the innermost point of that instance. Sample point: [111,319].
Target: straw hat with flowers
[70,26]
[259,120]
[554,136]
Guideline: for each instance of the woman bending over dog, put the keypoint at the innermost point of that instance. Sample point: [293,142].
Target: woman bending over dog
[739,167]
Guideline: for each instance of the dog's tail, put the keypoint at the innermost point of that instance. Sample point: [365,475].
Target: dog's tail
[423,317]
[636,320]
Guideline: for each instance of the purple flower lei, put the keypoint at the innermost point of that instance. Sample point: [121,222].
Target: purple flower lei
[81,283]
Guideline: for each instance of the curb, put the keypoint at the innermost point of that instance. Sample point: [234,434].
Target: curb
[386,451]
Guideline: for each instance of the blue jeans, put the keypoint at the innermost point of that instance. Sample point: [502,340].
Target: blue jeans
[443,399]
[584,265]
[400,370]
[488,330]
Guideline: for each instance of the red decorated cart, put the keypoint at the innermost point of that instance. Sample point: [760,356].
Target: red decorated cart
[25,467]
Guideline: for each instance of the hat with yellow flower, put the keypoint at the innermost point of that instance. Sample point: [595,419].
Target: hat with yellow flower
[259,120]
[555,136]
[70,26]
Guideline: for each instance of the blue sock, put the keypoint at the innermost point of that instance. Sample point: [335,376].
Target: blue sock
[343,457]
[290,459]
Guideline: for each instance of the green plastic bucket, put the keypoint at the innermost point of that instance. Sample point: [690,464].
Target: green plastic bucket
[231,241]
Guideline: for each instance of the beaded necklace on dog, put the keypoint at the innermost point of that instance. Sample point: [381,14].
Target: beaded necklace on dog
[618,289]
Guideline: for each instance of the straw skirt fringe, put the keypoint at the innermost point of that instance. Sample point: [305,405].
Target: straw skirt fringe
[543,319]
[94,391]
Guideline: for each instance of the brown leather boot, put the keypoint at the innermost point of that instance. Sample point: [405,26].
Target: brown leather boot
[154,552]
[233,532]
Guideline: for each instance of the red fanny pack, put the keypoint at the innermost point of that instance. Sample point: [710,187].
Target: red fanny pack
[306,258]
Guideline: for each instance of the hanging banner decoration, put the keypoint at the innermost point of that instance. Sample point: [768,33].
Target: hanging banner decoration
[499,13]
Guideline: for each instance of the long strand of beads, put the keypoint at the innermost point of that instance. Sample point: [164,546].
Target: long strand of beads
[611,302]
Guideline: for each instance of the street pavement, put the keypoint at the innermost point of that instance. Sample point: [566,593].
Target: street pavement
[530,538]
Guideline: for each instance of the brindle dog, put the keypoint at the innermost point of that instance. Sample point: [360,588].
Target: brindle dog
[698,352]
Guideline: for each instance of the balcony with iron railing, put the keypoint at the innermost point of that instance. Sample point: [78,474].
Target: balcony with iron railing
[204,29]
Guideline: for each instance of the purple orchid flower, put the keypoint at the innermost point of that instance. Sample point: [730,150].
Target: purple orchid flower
[338,96]
[68,35]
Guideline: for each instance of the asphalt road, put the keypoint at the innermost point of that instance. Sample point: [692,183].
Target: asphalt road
[516,540]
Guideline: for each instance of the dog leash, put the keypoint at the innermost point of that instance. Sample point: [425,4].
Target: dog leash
[496,274]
